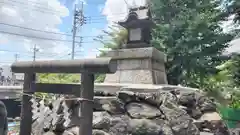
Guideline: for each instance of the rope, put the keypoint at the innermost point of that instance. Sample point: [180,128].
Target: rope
[63,99]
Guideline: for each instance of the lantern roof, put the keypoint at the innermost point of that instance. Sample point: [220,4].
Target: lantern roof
[137,17]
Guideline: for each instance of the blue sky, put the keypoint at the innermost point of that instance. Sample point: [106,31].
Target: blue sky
[55,15]
[93,9]
[93,28]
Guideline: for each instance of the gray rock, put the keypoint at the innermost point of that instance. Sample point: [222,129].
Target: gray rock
[114,107]
[119,125]
[109,104]
[156,98]
[151,98]
[184,126]
[152,113]
[99,132]
[104,93]
[188,100]
[101,120]
[206,133]
[211,116]
[172,111]
[142,110]
[179,120]
[206,105]
[126,96]
[71,131]
[195,113]
[145,127]
[50,133]
[167,130]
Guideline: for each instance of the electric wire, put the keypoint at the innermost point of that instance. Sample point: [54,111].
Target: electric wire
[35,37]
[94,19]
[36,29]
[34,4]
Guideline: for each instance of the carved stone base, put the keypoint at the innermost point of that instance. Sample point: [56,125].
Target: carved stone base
[138,66]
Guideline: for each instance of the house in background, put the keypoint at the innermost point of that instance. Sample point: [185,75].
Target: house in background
[18,78]
[12,102]
[9,78]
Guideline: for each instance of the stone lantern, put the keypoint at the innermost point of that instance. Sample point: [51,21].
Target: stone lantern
[138,62]
[138,24]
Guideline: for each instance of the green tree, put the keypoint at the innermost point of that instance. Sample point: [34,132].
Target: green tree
[56,78]
[232,70]
[112,39]
[234,9]
[189,32]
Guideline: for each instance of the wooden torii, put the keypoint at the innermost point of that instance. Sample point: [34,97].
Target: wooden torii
[87,68]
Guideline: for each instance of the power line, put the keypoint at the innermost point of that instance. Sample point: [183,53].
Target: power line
[22,54]
[44,11]
[60,40]
[127,4]
[35,9]
[34,4]
[90,18]
[36,29]
[65,34]
[30,1]
[49,9]
[42,38]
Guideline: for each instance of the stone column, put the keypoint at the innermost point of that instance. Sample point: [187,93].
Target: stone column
[138,66]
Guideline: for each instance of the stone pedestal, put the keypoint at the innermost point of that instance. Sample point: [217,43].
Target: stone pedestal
[138,66]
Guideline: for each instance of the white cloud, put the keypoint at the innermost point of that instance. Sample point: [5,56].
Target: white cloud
[80,1]
[100,8]
[45,15]
[2,52]
[116,10]
[92,53]
[234,47]
[3,39]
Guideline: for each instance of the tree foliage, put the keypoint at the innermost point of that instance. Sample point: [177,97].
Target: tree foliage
[232,70]
[189,32]
[113,38]
[59,78]
[116,38]
[56,78]
[234,9]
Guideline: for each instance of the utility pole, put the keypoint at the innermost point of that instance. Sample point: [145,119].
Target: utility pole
[16,57]
[35,50]
[78,20]
[74,30]
[13,78]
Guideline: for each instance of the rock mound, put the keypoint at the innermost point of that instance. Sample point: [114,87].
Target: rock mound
[159,113]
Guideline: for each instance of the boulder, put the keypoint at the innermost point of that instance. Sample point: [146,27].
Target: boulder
[167,112]
[139,110]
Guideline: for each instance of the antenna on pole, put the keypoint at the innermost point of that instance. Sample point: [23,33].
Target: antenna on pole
[128,6]
[78,21]
[16,57]
[74,30]
[35,50]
